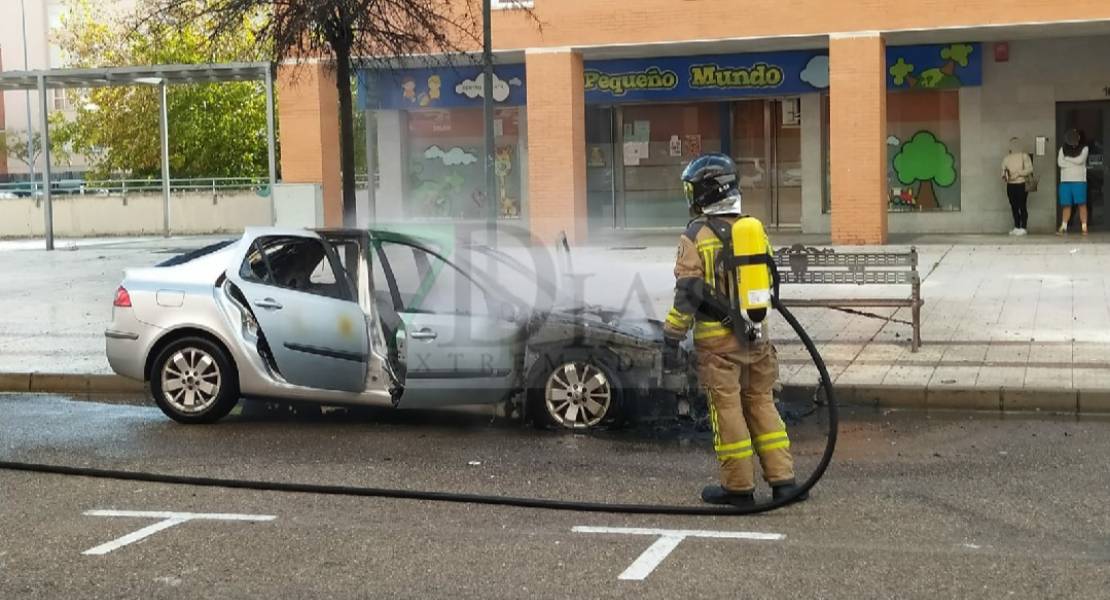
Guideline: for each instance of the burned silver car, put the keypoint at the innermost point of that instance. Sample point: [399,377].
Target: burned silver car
[355,317]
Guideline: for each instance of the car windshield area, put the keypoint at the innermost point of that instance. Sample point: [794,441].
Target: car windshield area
[416,280]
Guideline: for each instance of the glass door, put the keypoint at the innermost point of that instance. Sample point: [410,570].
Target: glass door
[786,142]
[1092,119]
[751,149]
[767,148]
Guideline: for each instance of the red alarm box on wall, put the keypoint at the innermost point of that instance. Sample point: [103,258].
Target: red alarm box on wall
[1001,52]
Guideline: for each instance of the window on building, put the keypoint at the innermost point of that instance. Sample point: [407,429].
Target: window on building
[656,143]
[923,150]
[446,174]
[601,191]
[62,99]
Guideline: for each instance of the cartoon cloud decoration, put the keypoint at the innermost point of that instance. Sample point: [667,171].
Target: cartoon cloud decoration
[816,72]
[454,156]
[472,88]
[516,81]
[893,141]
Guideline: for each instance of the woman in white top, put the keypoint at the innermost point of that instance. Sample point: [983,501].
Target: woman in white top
[1016,167]
[1072,160]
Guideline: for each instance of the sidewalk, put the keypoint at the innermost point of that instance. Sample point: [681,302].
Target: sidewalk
[1007,323]
[1017,323]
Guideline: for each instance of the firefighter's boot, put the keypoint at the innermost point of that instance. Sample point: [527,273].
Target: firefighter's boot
[778,492]
[715,494]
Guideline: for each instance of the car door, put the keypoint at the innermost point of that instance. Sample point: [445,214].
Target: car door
[457,348]
[307,310]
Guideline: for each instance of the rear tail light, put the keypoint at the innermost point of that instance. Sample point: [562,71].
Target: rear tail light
[123,299]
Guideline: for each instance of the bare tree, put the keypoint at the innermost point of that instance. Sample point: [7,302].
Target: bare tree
[14,144]
[371,31]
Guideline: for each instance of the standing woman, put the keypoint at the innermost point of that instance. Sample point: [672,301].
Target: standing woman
[1016,167]
[1072,160]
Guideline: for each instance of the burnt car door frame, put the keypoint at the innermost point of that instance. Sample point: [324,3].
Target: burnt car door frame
[430,349]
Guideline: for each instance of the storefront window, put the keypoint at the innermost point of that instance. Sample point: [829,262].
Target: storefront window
[446,174]
[656,142]
[923,150]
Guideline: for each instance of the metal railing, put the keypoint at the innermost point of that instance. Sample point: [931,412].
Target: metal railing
[123,187]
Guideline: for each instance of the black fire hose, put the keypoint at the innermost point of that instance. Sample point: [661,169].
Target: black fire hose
[454,497]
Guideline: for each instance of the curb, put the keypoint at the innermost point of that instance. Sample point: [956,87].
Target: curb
[68,383]
[872,396]
[1001,399]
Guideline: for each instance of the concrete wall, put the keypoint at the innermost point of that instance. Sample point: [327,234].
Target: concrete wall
[137,214]
[813,165]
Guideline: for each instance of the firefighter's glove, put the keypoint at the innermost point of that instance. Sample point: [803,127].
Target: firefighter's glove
[671,354]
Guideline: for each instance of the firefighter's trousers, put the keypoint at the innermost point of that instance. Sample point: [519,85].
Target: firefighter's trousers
[738,383]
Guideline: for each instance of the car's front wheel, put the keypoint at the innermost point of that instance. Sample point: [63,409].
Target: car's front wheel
[574,389]
[193,381]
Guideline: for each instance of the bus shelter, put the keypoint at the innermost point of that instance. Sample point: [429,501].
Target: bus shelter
[153,75]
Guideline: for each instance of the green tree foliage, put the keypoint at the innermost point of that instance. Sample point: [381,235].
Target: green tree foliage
[215,130]
[13,144]
[927,160]
[350,33]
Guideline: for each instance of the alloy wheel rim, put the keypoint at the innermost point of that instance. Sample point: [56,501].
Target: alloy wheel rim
[578,395]
[191,380]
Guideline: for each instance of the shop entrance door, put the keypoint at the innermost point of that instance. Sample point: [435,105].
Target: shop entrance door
[767,148]
[1092,119]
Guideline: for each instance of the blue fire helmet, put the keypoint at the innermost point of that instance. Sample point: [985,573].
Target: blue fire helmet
[709,179]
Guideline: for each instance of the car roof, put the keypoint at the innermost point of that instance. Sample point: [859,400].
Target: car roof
[378,234]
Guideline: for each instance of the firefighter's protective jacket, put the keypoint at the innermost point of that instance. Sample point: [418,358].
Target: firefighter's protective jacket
[698,249]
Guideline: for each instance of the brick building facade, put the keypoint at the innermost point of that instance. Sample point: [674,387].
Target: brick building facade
[854,118]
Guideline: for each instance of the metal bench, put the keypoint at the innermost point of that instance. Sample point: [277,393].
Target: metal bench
[799,264]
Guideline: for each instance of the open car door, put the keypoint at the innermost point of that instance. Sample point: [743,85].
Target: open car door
[306,309]
[455,347]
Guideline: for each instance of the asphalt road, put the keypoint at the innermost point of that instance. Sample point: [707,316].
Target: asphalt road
[945,505]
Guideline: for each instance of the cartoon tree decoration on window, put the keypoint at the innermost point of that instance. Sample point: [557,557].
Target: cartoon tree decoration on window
[925,160]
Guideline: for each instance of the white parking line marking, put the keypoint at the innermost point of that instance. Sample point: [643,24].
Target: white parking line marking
[169,519]
[669,539]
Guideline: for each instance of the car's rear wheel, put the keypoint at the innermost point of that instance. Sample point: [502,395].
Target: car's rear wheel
[193,381]
[574,389]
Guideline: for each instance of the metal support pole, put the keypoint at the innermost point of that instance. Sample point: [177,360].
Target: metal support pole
[47,202]
[165,126]
[270,143]
[371,119]
[487,116]
[30,129]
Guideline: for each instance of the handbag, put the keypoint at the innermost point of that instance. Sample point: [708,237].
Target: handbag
[1031,180]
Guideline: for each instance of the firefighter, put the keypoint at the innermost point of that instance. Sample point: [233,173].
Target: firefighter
[737,372]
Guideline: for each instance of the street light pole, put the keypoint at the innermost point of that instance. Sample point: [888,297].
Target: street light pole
[487,116]
[30,136]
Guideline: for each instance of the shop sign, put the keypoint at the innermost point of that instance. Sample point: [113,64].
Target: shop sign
[439,87]
[922,67]
[931,66]
[687,77]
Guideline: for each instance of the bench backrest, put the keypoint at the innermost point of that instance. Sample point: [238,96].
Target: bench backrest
[808,265]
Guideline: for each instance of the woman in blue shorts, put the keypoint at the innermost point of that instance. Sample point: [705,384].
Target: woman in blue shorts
[1072,160]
